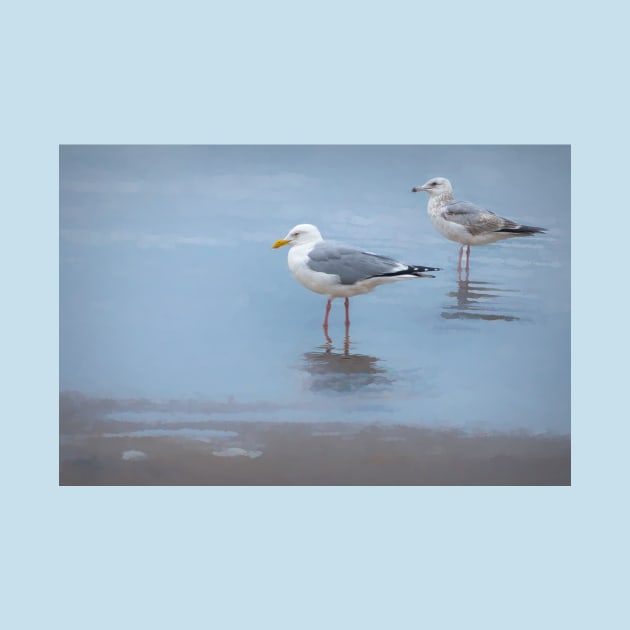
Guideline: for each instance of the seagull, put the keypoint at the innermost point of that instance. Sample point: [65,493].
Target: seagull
[337,270]
[466,223]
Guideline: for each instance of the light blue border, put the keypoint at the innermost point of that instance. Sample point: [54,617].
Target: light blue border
[270,72]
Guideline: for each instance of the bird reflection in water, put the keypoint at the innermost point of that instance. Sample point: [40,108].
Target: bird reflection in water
[342,371]
[476,300]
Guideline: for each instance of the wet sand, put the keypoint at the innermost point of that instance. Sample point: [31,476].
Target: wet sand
[98,451]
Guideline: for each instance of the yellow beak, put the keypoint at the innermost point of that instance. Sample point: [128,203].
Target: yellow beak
[280,243]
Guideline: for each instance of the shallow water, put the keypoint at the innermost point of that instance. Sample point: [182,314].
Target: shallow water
[175,309]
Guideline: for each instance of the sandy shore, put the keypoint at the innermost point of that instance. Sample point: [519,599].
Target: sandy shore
[266,453]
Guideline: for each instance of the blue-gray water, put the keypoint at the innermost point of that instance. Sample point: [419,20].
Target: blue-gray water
[170,291]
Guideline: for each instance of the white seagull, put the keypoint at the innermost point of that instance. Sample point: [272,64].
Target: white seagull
[337,270]
[466,223]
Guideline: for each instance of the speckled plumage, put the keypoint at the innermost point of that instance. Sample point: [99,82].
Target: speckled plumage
[465,222]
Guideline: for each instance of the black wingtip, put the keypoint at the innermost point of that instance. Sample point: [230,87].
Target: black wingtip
[420,268]
[420,271]
[524,230]
[412,270]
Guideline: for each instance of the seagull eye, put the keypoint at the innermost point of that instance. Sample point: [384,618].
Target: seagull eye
[295,234]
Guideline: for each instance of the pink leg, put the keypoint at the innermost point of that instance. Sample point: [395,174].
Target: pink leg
[467,257]
[459,260]
[347,304]
[328,305]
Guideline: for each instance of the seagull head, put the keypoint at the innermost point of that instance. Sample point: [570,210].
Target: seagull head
[300,235]
[435,186]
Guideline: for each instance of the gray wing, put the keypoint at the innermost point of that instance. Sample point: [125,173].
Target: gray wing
[351,265]
[475,219]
